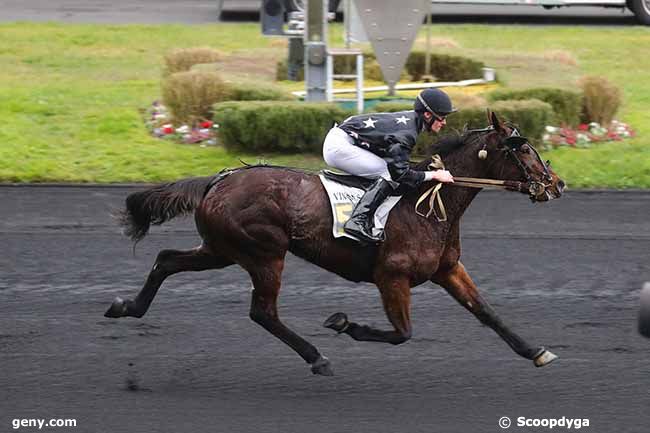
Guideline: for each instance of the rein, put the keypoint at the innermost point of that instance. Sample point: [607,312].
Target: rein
[533,188]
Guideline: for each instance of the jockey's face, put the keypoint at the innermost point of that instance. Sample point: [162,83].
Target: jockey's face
[438,122]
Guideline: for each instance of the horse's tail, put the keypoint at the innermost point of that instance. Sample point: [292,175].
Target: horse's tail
[160,204]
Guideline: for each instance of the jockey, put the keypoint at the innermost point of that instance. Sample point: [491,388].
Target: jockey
[378,146]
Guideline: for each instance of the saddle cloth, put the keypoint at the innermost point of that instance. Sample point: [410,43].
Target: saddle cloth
[344,192]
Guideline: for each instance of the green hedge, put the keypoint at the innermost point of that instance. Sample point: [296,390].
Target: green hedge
[288,126]
[265,126]
[530,116]
[243,91]
[444,67]
[567,104]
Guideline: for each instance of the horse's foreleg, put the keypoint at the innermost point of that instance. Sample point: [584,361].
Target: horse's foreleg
[396,297]
[266,283]
[168,262]
[459,285]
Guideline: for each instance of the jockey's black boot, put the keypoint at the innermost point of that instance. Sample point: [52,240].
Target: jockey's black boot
[361,222]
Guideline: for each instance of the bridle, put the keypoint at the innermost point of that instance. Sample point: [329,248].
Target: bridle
[511,145]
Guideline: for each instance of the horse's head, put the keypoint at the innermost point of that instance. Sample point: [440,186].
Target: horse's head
[509,156]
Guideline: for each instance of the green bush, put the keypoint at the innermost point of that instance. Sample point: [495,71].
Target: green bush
[189,96]
[249,91]
[281,69]
[567,104]
[391,107]
[602,100]
[282,126]
[530,117]
[181,60]
[444,67]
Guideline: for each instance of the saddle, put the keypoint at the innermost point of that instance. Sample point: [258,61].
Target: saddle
[344,192]
[348,179]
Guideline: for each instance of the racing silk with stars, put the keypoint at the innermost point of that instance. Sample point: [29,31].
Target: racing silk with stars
[390,136]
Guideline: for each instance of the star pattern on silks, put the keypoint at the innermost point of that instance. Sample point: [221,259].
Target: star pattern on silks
[402,119]
[369,123]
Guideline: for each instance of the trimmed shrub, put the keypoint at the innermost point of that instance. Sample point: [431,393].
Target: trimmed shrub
[301,127]
[460,100]
[530,117]
[391,107]
[444,67]
[602,99]
[249,91]
[276,126]
[181,60]
[189,96]
[567,104]
[281,69]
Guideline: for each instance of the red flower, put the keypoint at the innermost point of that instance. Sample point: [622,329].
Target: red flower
[206,124]
[168,130]
[583,127]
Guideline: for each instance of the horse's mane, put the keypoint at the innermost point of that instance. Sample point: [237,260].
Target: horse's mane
[444,146]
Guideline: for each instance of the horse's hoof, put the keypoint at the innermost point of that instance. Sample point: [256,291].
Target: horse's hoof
[544,358]
[117,309]
[322,366]
[337,321]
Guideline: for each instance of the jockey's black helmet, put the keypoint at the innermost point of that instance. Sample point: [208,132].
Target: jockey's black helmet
[434,101]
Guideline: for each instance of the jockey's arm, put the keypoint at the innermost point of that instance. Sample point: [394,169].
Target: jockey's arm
[397,158]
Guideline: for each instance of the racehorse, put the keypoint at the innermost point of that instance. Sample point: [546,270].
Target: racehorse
[254,215]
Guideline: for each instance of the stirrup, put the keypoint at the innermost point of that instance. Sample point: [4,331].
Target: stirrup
[363,236]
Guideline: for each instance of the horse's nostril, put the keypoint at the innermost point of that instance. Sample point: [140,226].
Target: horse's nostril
[560,186]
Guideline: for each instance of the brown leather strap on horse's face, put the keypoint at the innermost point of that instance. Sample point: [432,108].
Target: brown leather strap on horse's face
[533,188]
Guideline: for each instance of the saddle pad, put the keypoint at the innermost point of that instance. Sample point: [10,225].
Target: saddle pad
[343,199]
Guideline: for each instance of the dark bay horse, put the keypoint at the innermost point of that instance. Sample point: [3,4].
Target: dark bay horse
[254,215]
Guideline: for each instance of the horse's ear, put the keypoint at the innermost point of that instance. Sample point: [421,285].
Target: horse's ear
[489,115]
[496,123]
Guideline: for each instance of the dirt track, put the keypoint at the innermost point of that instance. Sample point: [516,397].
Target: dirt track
[566,274]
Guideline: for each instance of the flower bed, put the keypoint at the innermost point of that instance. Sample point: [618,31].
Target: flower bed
[158,121]
[586,134]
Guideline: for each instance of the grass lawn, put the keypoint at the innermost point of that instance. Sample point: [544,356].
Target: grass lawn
[70,95]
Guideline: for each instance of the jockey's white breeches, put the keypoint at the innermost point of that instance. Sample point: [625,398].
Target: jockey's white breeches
[340,152]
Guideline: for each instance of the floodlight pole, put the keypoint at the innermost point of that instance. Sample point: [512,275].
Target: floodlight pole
[316,51]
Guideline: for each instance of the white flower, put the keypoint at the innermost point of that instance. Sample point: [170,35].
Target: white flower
[546,137]
[551,129]
[183,129]
[160,116]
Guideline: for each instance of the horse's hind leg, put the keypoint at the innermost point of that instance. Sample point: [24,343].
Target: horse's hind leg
[396,297]
[459,285]
[167,263]
[266,282]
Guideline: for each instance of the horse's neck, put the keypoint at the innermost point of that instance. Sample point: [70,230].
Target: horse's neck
[464,162]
